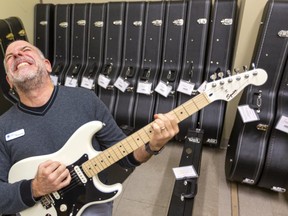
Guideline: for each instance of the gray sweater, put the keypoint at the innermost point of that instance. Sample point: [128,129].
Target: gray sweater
[46,129]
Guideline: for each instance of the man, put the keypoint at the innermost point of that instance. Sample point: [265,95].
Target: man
[42,122]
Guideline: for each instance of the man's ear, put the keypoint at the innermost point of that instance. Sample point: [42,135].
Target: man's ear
[48,65]
[8,81]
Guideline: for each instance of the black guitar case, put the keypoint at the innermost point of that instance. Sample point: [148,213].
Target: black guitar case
[185,190]
[132,47]
[198,17]
[175,22]
[95,45]
[218,59]
[113,53]
[275,171]
[150,64]
[62,28]
[6,37]
[248,142]
[78,44]
[44,29]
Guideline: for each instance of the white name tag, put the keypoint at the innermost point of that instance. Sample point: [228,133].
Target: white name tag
[282,124]
[185,172]
[144,88]
[185,87]
[121,84]
[15,134]
[163,89]
[70,82]
[248,114]
[103,81]
[87,83]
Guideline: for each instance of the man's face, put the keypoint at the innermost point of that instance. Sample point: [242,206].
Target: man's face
[24,64]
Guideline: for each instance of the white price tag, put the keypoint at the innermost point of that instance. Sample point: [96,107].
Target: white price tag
[248,114]
[144,88]
[282,124]
[87,83]
[185,172]
[121,84]
[163,89]
[54,79]
[185,87]
[103,81]
[70,82]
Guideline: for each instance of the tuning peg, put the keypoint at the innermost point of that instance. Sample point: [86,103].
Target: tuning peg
[236,70]
[253,66]
[245,68]
[229,72]
[213,76]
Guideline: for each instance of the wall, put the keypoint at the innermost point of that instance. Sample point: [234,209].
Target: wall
[249,22]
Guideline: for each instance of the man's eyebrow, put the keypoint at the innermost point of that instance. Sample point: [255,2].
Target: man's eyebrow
[22,48]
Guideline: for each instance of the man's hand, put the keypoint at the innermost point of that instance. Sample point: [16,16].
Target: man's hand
[165,127]
[50,177]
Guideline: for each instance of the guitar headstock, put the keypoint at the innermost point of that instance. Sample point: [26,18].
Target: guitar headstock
[227,88]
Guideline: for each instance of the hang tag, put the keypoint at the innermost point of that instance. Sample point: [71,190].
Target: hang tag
[15,134]
[103,81]
[54,79]
[70,82]
[163,89]
[121,84]
[185,172]
[282,124]
[144,88]
[248,114]
[185,87]
[87,83]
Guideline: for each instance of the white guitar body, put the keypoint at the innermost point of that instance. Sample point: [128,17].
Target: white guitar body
[79,144]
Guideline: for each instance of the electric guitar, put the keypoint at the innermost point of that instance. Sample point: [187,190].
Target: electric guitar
[85,163]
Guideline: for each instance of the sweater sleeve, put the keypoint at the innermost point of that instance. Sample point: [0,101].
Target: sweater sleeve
[11,197]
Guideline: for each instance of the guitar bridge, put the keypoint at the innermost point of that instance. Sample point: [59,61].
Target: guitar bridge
[47,201]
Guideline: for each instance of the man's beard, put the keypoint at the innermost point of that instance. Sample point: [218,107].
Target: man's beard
[29,81]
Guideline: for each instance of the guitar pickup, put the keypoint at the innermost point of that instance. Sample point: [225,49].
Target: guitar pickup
[146,74]
[107,69]
[171,76]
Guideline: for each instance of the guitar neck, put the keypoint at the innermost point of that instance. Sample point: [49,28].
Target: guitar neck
[139,138]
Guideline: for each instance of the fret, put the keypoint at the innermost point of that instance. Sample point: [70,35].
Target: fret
[181,113]
[145,138]
[130,146]
[137,139]
[109,153]
[148,130]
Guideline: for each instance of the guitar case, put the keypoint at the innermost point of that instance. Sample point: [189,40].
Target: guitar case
[218,59]
[78,44]
[175,22]
[112,53]
[150,64]
[185,190]
[95,45]
[61,46]
[132,47]
[198,17]
[275,170]
[6,37]
[44,29]
[248,141]
[17,28]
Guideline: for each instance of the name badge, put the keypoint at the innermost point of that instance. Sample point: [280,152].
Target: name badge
[15,134]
